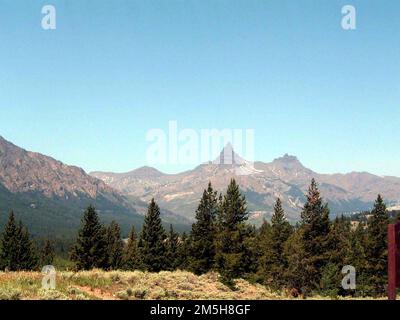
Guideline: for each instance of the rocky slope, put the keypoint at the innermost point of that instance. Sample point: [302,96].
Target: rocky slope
[50,196]
[24,171]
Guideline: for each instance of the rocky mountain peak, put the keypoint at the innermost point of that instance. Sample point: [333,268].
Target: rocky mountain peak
[146,172]
[288,161]
[228,156]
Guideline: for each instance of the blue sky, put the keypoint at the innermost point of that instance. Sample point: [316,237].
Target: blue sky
[87,92]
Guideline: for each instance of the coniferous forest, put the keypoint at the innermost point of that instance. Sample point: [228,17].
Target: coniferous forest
[304,259]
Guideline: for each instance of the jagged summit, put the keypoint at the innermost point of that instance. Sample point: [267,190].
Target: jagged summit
[228,156]
[288,160]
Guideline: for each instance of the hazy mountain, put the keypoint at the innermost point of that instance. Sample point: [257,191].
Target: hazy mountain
[50,196]
[261,182]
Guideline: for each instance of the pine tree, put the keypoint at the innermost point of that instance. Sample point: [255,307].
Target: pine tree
[114,246]
[183,249]
[273,261]
[338,243]
[27,252]
[297,273]
[202,250]
[172,245]
[315,224]
[357,254]
[261,244]
[130,253]
[47,253]
[338,252]
[264,230]
[151,242]
[231,235]
[250,261]
[90,249]
[280,232]
[9,245]
[18,250]
[358,259]
[377,247]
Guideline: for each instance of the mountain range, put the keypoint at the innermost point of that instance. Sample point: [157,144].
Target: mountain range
[261,182]
[50,196]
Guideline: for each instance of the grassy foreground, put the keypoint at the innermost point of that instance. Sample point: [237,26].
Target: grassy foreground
[135,285]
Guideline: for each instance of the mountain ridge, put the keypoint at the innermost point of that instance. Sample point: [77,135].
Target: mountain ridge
[50,196]
[262,182]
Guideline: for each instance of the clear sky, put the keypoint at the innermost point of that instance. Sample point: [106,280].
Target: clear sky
[88,92]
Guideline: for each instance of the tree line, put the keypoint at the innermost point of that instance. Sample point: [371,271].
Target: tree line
[306,258]
[19,252]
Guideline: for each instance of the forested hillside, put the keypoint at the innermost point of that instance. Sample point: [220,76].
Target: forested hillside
[305,259]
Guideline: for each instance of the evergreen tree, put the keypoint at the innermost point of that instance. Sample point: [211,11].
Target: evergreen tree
[357,254]
[261,244]
[338,241]
[315,226]
[264,230]
[231,235]
[297,273]
[358,259]
[130,252]
[183,249]
[172,245]
[26,249]
[151,242]
[376,267]
[9,245]
[338,252]
[18,250]
[90,249]
[47,253]
[202,250]
[114,246]
[330,280]
[273,261]
[250,261]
